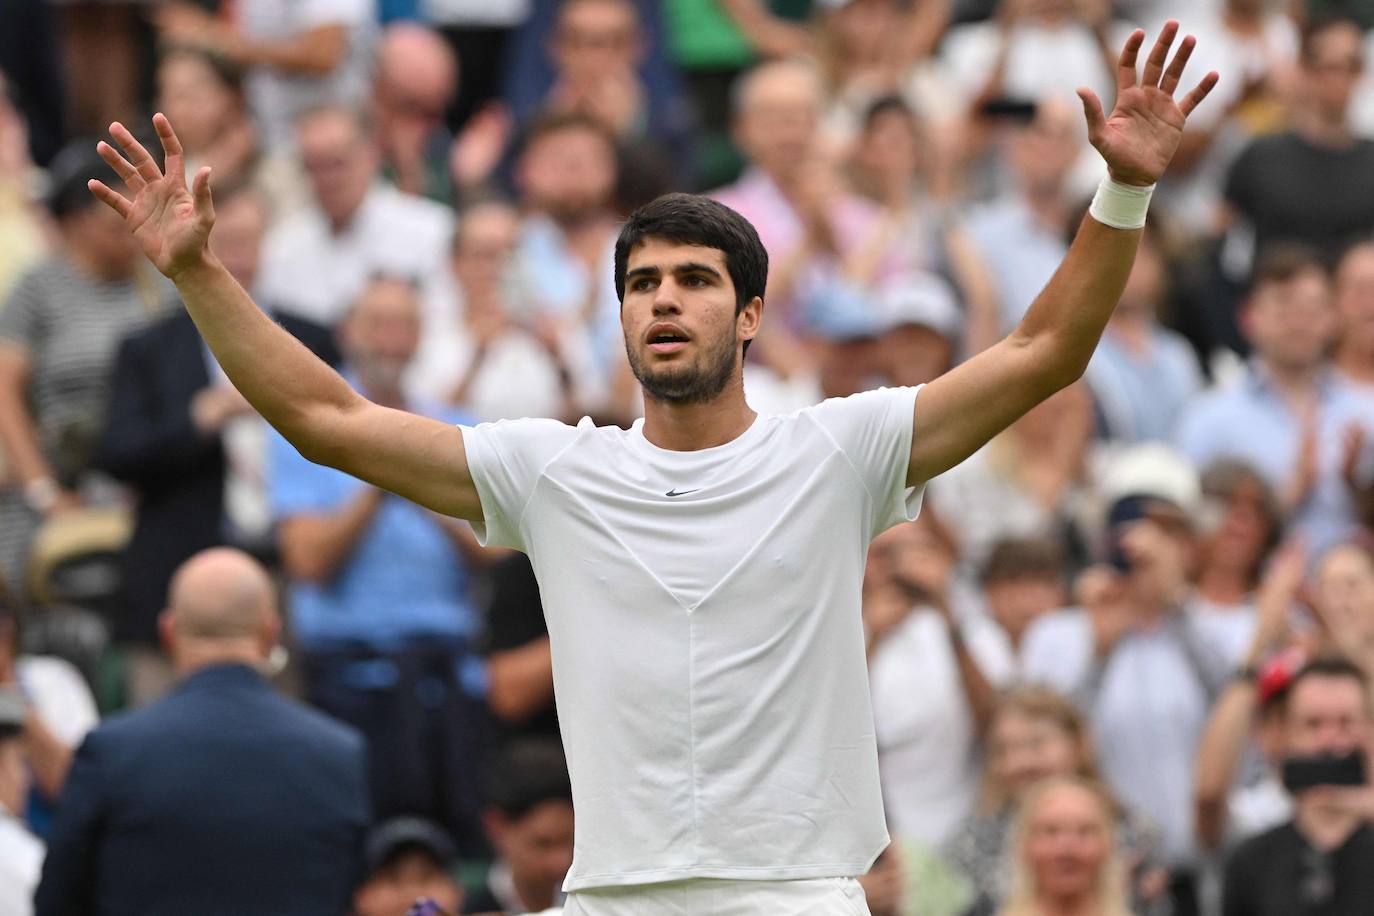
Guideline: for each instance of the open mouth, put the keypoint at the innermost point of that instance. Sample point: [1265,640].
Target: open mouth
[667,340]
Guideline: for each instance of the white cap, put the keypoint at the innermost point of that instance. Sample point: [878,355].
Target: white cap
[1153,470]
[921,298]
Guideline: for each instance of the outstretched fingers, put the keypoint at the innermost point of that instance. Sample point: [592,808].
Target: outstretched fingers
[1191,100]
[1175,71]
[200,191]
[171,146]
[122,168]
[1092,111]
[142,161]
[1125,67]
[1154,65]
[114,199]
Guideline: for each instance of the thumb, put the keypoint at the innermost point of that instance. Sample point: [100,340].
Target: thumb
[1092,111]
[200,190]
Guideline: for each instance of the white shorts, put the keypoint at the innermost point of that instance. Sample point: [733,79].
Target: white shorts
[720,897]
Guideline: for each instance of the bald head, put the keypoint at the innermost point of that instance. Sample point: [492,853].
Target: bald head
[223,596]
[777,113]
[416,69]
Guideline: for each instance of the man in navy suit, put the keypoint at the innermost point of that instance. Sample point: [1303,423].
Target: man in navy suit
[222,797]
[189,445]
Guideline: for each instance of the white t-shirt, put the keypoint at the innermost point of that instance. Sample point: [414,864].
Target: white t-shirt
[21,862]
[278,98]
[59,694]
[312,272]
[708,652]
[927,741]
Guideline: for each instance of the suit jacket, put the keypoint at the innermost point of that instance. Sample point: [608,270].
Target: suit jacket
[151,443]
[222,797]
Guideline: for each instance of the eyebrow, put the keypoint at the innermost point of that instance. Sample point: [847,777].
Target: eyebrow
[688,267]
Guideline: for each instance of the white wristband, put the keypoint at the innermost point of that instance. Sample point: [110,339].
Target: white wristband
[1121,206]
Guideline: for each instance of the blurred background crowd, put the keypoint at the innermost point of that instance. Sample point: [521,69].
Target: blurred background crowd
[1121,664]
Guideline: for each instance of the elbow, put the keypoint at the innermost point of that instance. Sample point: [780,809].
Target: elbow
[1209,819]
[1057,363]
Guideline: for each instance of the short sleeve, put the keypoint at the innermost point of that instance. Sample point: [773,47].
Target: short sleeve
[60,696]
[874,429]
[505,459]
[22,314]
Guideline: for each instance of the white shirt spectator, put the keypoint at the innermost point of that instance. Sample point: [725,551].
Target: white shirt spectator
[59,695]
[1041,62]
[1148,705]
[311,271]
[21,862]
[927,742]
[277,98]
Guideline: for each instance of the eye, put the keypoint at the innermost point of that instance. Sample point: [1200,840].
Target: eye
[641,284]
[694,280]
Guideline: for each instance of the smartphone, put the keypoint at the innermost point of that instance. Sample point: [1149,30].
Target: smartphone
[1301,773]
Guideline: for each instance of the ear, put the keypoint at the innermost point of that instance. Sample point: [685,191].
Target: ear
[750,319]
[167,632]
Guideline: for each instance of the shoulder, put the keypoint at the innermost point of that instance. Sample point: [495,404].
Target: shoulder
[412,212]
[1260,851]
[535,435]
[875,401]
[313,727]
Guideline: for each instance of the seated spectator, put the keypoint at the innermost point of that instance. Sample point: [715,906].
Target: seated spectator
[59,711]
[1233,548]
[933,674]
[1024,483]
[828,248]
[317,262]
[1031,50]
[416,79]
[1142,375]
[1322,860]
[562,273]
[23,224]
[1022,580]
[297,55]
[1134,658]
[1314,184]
[222,797]
[59,330]
[1034,735]
[1291,418]
[1068,859]
[188,444]
[21,853]
[1021,231]
[529,818]
[519,660]
[380,596]
[408,859]
[476,366]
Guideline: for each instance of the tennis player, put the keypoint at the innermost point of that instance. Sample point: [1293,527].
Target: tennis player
[701,571]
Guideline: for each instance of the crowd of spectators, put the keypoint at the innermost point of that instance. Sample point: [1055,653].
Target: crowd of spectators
[1123,662]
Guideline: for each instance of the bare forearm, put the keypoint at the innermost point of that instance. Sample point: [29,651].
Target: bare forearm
[977,690]
[1065,322]
[521,680]
[48,757]
[18,438]
[1218,756]
[317,52]
[315,546]
[288,385]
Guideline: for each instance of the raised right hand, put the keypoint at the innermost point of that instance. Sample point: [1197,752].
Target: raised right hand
[171,224]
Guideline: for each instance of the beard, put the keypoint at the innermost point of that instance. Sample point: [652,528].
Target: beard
[690,384]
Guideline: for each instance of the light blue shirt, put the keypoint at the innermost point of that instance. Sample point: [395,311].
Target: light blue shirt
[1250,421]
[1023,253]
[1141,395]
[404,578]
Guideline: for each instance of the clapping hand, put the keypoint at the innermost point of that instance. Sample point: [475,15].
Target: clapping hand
[1140,136]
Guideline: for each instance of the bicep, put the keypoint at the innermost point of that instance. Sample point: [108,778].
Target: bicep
[961,410]
[416,457]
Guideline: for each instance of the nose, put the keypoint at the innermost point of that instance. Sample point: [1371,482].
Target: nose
[666,299]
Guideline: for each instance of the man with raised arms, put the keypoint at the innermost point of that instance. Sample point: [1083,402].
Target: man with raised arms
[701,571]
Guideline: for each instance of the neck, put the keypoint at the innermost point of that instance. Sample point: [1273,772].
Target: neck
[1069,905]
[1222,584]
[695,426]
[1296,382]
[191,657]
[1047,205]
[1321,127]
[1323,826]
[535,895]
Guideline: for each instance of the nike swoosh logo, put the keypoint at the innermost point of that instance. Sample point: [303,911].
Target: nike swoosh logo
[677,492]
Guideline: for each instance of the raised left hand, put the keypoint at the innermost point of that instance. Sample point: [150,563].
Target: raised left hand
[1140,136]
